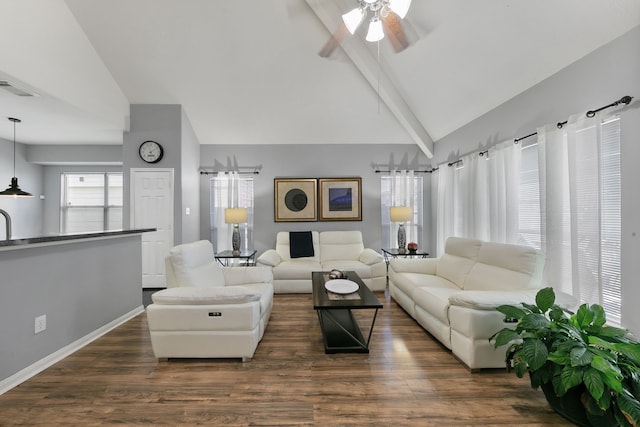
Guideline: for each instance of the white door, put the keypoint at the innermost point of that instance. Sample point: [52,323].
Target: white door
[152,207]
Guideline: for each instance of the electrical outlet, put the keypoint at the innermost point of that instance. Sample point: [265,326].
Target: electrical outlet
[40,324]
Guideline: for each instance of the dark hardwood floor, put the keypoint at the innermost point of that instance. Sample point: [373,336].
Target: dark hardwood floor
[408,379]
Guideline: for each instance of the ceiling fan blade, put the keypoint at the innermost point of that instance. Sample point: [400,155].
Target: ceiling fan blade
[334,41]
[395,32]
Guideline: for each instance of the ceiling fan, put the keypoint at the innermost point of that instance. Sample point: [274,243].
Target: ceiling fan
[385,18]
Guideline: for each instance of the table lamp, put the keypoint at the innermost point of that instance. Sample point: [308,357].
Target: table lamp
[401,214]
[235,216]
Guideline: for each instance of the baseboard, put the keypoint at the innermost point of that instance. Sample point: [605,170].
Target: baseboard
[42,364]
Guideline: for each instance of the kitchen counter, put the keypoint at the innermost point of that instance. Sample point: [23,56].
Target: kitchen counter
[63,238]
[82,285]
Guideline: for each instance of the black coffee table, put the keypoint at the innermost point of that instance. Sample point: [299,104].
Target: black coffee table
[340,330]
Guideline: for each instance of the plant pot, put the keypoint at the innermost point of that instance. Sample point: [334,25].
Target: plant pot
[571,408]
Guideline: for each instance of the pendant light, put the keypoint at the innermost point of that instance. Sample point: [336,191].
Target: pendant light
[14,190]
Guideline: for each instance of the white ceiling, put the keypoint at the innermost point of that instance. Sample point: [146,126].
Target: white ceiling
[248,71]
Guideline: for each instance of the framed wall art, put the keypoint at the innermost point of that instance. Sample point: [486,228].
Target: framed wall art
[295,199]
[340,199]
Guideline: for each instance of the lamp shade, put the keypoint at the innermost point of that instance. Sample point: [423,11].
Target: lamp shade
[401,213]
[14,190]
[353,19]
[235,215]
[375,31]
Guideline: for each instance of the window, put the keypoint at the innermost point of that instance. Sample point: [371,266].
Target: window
[571,209]
[230,191]
[90,202]
[401,189]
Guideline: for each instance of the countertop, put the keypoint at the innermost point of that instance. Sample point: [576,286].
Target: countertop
[52,238]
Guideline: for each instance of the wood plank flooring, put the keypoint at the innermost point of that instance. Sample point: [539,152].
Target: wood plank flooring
[407,379]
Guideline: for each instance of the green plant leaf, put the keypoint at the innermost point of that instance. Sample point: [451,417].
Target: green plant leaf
[599,316]
[630,407]
[520,368]
[557,314]
[634,378]
[594,383]
[558,386]
[532,308]
[584,316]
[580,356]
[504,337]
[560,357]
[566,346]
[631,351]
[545,299]
[533,321]
[535,353]
[511,312]
[611,374]
[610,332]
[605,401]
[571,377]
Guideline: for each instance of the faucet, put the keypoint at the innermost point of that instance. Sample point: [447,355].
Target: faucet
[7,222]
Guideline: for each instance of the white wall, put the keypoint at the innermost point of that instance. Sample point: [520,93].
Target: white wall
[596,80]
[50,52]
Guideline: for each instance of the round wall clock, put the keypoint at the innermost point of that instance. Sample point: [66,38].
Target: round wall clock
[151,151]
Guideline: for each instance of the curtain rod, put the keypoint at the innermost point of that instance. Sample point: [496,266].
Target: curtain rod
[227,172]
[591,113]
[405,170]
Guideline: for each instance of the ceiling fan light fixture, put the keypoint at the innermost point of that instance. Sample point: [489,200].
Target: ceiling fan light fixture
[400,7]
[353,19]
[376,32]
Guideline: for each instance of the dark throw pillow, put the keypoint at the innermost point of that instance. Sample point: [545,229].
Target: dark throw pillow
[300,244]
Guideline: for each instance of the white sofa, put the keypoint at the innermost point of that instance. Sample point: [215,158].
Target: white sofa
[209,311]
[342,250]
[454,296]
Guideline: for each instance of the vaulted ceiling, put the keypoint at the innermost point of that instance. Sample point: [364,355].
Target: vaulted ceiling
[248,72]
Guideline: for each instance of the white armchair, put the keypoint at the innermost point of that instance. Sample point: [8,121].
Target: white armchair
[207,310]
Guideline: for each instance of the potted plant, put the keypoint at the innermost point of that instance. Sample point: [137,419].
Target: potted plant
[589,371]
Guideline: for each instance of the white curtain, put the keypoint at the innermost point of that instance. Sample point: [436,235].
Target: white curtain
[580,209]
[230,191]
[401,188]
[478,197]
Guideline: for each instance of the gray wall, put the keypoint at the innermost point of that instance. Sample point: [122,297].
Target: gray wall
[311,161]
[160,123]
[26,213]
[596,80]
[190,182]
[80,287]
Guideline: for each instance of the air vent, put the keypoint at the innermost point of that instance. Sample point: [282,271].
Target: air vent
[15,89]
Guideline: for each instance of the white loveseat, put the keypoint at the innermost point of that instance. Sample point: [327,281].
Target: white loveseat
[454,296]
[209,311]
[342,250]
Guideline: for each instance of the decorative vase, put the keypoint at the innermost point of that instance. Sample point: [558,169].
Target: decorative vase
[235,240]
[402,239]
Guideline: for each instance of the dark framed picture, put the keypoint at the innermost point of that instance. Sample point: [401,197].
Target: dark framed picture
[340,199]
[295,199]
